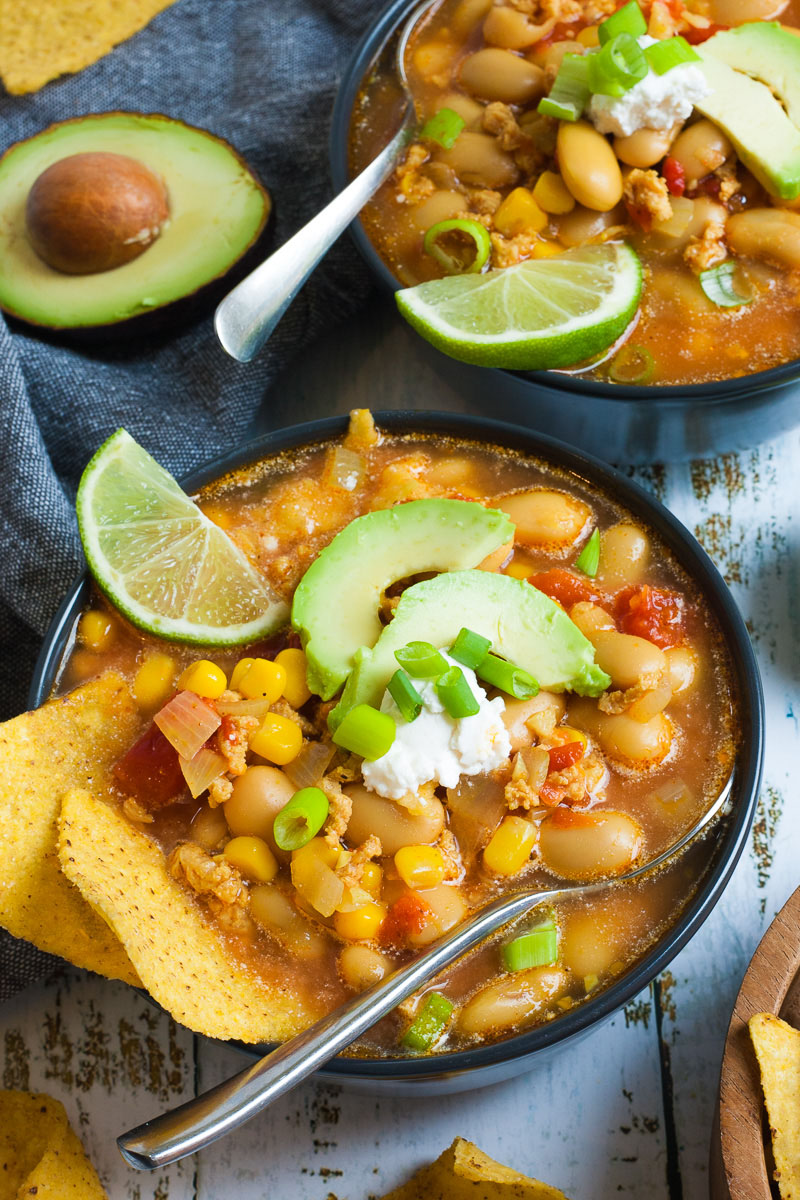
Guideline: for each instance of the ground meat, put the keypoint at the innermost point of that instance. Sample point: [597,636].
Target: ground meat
[452,859]
[415,802]
[528,774]
[361,433]
[618,702]
[219,790]
[233,739]
[500,122]
[484,201]
[340,807]
[729,182]
[136,812]
[577,786]
[352,872]
[413,185]
[207,876]
[284,709]
[508,251]
[647,197]
[233,918]
[708,250]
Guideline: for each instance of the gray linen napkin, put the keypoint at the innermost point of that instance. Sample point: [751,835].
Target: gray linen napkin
[262,75]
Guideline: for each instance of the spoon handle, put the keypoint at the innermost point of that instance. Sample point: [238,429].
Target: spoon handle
[248,314]
[201,1121]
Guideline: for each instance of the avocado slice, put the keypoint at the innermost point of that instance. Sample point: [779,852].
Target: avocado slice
[335,606]
[217,210]
[766,51]
[523,625]
[767,142]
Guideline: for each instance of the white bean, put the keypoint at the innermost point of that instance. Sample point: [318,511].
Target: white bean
[769,233]
[517,712]
[361,966]
[545,517]
[448,907]
[588,166]
[624,555]
[494,74]
[257,798]
[586,845]
[700,149]
[626,658]
[739,12]
[645,147]
[512,1001]
[394,825]
[682,665]
[591,619]
[478,160]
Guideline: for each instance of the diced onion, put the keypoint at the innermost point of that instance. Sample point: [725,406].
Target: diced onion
[310,765]
[187,723]
[243,708]
[347,468]
[202,770]
[672,791]
[678,223]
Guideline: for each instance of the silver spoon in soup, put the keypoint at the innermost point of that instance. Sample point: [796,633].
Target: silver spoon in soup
[223,1108]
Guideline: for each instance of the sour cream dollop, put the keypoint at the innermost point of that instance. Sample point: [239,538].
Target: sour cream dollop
[437,746]
[655,102]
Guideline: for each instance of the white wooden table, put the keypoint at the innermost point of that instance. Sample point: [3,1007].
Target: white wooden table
[625,1112]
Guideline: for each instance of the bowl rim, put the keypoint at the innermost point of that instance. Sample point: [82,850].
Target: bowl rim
[745,679]
[712,392]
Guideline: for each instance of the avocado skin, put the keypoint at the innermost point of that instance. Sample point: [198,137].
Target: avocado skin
[335,606]
[523,624]
[179,312]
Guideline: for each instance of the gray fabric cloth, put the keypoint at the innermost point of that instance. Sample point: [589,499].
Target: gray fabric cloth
[262,74]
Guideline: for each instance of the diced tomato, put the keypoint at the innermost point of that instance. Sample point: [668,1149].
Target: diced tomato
[565,756]
[695,36]
[709,185]
[652,613]
[675,176]
[568,818]
[566,587]
[150,771]
[562,31]
[409,914]
[550,795]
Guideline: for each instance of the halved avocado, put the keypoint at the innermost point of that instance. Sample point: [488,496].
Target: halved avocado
[217,212]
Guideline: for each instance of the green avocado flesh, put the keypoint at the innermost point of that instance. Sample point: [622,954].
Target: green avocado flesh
[523,625]
[765,51]
[766,140]
[335,607]
[217,209]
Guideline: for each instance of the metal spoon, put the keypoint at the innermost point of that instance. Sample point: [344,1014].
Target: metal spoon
[201,1121]
[248,314]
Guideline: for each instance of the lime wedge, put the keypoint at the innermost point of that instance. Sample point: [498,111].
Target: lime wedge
[550,312]
[160,560]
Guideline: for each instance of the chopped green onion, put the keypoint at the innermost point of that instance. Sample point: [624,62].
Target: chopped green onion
[470,648]
[405,695]
[301,819]
[673,52]
[514,681]
[617,67]
[421,660]
[570,92]
[633,364]
[443,127]
[628,19]
[589,558]
[718,285]
[429,1023]
[366,731]
[456,694]
[537,948]
[453,264]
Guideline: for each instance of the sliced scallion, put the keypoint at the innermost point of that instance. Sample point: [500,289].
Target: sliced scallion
[456,694]
[421,660]
[570,92]
[405,695]
[429,1023]
[454,264]
[366,731]
[718,285]
[589,558]
[470,648]
[514,681]
[443,127]
[632,364]
[628,19]
[617,66]
[674,52]
[536,948]
[301,819]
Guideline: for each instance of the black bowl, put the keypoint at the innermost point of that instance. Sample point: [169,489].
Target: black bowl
[464,1069]
[619,423]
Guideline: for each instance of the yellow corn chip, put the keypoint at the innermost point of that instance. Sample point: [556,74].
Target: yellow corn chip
[69,742]
[777,1048]
[42,39]
[40,1154]
[178,952]
[463,1172]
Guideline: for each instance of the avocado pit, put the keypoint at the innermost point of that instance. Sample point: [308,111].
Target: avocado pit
[95,211]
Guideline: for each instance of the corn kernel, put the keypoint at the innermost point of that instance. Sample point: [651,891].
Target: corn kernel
[253,857]
[317,849]
[96,630]
[552,194]
[372,879]
[239,672]
[519,569]
[263,680]
[221,517]
[154,681]
[360,924]
[83,664]
[279,739]
[204,678]
[547,250]
[295,688]
[519,213]
[510,846]
[588,37]
[568,733]
[420,866]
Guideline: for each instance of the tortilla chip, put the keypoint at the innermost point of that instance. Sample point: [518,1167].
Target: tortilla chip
[463,1172]
[178,951]
[69,742]
[777,1047]
[42,39]
[40,1154]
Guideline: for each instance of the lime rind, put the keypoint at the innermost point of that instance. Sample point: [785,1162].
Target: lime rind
[160,560]
[533,316]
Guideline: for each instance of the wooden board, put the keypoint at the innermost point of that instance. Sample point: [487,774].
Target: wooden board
[739,1168]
